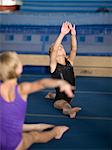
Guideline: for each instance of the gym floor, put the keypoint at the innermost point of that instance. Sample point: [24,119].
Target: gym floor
[92,128]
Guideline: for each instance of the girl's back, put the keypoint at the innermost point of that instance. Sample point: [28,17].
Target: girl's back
[11,120]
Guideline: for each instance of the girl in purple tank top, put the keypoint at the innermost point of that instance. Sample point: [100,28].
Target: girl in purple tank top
[14,134]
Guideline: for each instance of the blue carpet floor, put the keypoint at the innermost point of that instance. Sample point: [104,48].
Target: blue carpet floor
[92,128]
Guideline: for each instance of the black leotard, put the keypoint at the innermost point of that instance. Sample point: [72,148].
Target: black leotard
[64,72]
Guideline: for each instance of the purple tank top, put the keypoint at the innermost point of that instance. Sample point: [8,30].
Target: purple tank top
[12,115]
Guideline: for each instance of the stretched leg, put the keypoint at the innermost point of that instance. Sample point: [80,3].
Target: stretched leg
[36,127]
[66,108]
[50,96]
[41,137]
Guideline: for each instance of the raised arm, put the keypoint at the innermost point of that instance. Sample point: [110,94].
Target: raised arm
[73,44]
[64,30]
[30,87]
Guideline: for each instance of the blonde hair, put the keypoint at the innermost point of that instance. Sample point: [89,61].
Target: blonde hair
[8,63]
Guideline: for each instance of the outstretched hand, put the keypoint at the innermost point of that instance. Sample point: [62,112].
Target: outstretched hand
[67,88]
[65,28]
[68,27]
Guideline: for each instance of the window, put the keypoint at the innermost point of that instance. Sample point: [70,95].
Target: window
[9,37]
[27,38]
[44,38]
[82,39]
[99,39]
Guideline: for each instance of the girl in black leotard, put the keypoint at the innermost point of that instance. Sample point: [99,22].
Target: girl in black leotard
[61,67]
[64,72]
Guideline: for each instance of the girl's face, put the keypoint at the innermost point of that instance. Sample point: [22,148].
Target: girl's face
[19,69]
[61,51]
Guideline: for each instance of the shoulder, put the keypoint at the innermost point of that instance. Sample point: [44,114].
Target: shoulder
[70,62]
[23,89]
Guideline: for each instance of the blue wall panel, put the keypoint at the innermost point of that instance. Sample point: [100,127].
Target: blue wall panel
[92,39]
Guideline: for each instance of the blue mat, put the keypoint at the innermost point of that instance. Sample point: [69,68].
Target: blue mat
[92,128]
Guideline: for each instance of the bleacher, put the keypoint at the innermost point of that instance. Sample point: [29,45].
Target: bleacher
[69,6]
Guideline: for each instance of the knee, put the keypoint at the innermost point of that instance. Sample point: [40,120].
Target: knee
[60,104]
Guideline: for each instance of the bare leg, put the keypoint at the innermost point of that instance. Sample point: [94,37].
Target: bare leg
[41,137]
[66,108]
[50,96]
[36,127]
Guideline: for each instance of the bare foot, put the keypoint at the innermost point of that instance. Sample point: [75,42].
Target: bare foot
[60,131]
[66,109]
[50,96]
[74,111]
